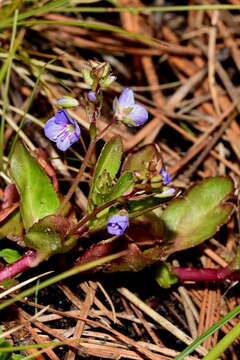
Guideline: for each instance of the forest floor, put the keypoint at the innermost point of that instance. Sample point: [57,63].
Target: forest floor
[188,79]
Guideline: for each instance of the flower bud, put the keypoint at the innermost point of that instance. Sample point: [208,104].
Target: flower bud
[92,96]
[86,74]
[166,177]
[97,74]
[67,102]
[100,70]
[167,192]
[107,81]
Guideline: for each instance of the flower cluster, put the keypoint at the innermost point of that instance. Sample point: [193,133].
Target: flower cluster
[127,111]
[98,74]
[65,131]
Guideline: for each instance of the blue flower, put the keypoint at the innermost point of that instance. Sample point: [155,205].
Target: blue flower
[166,177]
[117,224]
[127,111]
[63,130]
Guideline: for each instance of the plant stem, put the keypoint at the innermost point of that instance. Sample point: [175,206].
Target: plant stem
[219,275]
[224,343]
[81,224]
[78,178]
[83,167]
[20,265]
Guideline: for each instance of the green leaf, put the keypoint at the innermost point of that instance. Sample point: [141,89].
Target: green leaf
[164,277]
[38,197]
[124,184]
[196,217]
[136,207]
[141,205]
[138,162]
[10,255]
[108,162]
[12,227]
[135,259]
[48,236]
[3,344]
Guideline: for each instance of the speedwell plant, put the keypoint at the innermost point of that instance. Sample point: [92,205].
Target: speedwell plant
[132,205]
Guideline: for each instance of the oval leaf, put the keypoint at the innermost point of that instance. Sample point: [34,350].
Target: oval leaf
[48,235]
[38,197]
[12,227]
[195,218]
[139,161]
[108,162]
[10,255]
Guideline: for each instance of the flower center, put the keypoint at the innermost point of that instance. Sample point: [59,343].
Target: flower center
[70,128]
[116,226]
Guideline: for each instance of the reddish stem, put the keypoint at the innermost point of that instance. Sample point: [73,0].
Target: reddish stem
[220,275]
[184,274]
[20,265]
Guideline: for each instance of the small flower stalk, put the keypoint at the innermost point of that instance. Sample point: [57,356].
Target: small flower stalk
[62,129]
[127,111]
[117,224]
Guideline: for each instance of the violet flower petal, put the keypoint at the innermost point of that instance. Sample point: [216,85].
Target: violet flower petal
[52,130]
[63,142]
[74,137]
[62,117]
[117,224]
[166,177]
[126,99]
[138,115]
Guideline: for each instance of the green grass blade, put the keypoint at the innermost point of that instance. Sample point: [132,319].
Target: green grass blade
[189,349]
[31,346]
[223,344]
[152,9]
[39,10]
[60,277]
[89,25]
[29,103]
[6,71]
